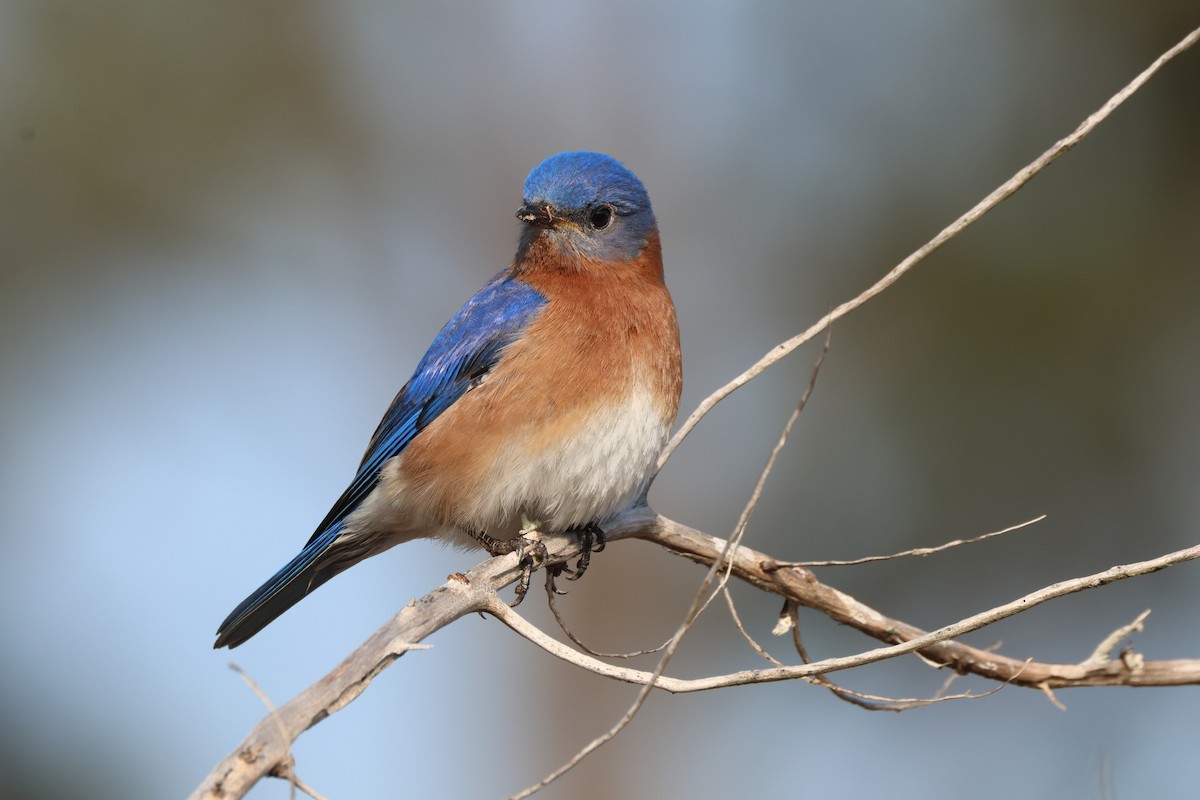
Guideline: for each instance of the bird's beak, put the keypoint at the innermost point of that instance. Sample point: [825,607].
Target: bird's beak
[536,214]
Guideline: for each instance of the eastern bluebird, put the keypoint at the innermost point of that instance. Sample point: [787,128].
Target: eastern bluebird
[544,402]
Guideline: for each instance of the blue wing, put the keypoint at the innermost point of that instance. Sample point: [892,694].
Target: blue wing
[465,350]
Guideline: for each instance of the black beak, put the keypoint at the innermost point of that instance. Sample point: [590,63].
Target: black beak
[535,214]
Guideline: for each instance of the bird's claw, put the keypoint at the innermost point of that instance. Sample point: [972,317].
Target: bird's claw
[591,540]
[551,574]
[530,550]
[531,554]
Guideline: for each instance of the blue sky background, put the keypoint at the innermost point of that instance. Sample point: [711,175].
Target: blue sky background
[230,231]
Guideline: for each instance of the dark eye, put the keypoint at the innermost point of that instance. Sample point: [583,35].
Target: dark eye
[601,217]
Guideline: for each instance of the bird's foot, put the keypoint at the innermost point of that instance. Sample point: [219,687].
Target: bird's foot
[591,540]
[531,554]
[530,550]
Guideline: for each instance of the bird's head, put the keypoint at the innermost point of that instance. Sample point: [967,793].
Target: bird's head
[589,203]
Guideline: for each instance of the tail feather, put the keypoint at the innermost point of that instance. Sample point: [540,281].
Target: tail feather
[315,564]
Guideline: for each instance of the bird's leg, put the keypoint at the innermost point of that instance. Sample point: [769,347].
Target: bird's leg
[494,546]
[591,540]
[530,550]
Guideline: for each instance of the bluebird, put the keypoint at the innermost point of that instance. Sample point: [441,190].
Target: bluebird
[543,404]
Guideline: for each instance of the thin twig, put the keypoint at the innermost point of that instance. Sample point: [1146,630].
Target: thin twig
[308,790]
[737,620]
[1053,698]
[916,551]
[872,702]
[789,619]
[287,766]
[562,623]
[1103,651]
[752,504]
[1003,192]
[793,611]
[757,493]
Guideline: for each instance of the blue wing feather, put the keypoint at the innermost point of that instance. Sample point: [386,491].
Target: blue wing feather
[464,351]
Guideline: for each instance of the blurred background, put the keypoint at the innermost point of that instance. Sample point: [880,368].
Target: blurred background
[229,231]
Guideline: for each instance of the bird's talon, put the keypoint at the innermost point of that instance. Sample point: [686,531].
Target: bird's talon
[585,558]
[531,554]
[553,573]
[591,540]
[522,584]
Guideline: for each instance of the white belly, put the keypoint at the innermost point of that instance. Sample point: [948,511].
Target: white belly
[592,475]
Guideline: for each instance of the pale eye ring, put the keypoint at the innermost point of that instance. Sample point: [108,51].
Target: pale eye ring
[601,217]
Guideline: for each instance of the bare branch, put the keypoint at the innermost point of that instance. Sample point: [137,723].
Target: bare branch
[803,587]
[265,749]
[935,645]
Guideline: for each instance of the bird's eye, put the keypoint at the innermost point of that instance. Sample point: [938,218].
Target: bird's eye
[601,217]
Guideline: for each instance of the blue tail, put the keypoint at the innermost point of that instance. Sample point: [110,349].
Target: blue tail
[319,561]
